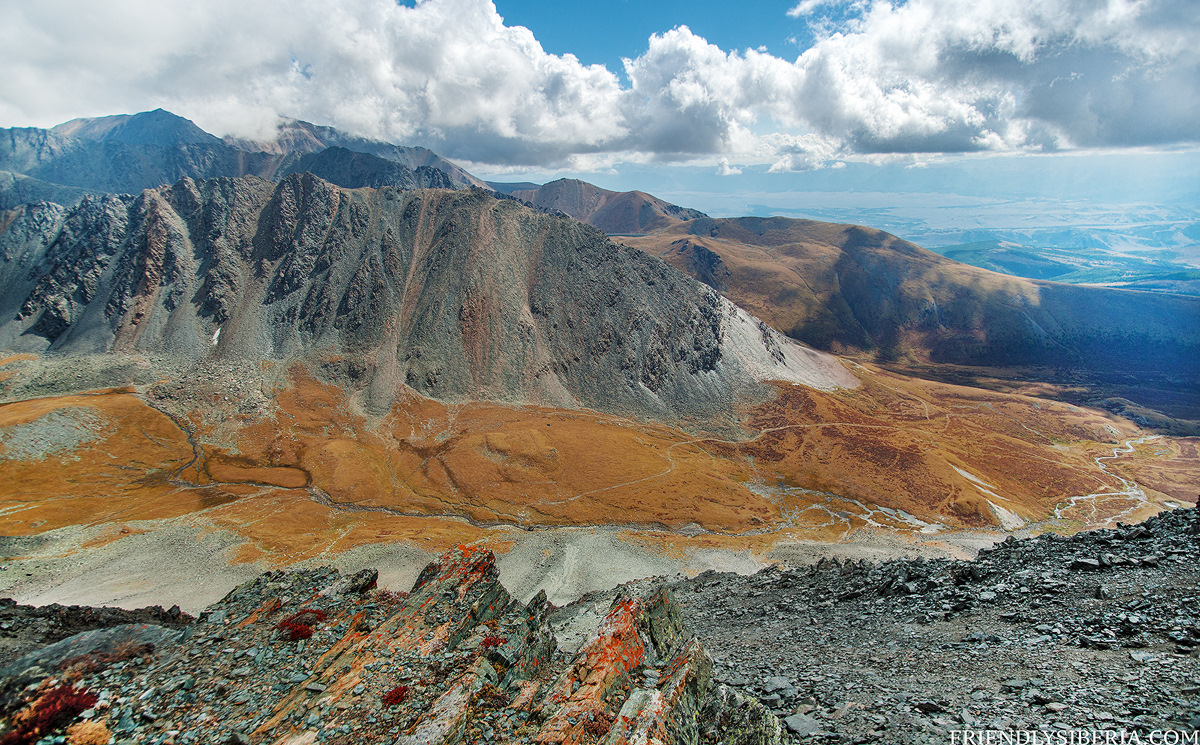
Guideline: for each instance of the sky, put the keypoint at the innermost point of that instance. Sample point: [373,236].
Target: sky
[770,95]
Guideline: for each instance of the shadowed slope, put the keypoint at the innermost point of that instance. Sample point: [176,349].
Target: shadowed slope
[353,170]
[127,153]
[850,288]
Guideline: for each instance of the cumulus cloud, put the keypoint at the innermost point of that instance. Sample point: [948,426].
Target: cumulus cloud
[882,77]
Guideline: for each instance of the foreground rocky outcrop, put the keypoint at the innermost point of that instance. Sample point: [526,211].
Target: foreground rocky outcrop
[1098,632]
[302,657]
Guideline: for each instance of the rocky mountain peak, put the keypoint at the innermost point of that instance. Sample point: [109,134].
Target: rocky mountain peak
[157,127]
[456,294]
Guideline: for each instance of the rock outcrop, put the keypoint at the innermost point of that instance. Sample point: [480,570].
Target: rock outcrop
[352,170]
[455,294]
[307,656]
[1095,633]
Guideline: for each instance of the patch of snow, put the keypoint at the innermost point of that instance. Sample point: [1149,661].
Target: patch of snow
[972,477]
[1009,520]
[768,355]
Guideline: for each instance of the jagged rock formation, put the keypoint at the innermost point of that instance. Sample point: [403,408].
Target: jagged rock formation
[126,153]
[616,213]
[1096,632]
[456,294]
[296,657]
[294,137]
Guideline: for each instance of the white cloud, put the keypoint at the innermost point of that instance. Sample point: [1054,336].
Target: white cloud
[882,77]
[725,168]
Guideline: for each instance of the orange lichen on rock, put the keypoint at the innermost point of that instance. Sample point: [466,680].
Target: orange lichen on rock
[648,716]
[602,666]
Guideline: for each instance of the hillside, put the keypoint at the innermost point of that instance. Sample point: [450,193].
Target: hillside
[925,648]
[293,137]
[616,213]
[352,170]
[853,289]
[455,294]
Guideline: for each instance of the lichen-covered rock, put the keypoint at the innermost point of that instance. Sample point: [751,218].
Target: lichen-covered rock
[730,717]
[307,656]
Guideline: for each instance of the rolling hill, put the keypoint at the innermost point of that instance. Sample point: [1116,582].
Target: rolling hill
[614,212]
[853,289]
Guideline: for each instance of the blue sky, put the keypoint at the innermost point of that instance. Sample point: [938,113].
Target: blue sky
[743,100]
[606,31]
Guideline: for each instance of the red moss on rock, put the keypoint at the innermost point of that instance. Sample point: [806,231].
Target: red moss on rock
[299,625]
[396,696]
[48,713]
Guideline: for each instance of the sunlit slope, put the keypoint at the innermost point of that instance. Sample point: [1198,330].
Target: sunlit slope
[850,288]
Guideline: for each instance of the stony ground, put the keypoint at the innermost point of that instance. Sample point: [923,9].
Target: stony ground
[1097,632]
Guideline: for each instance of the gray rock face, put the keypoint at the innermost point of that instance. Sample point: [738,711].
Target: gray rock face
[354,170]
[456,294]
[121,153]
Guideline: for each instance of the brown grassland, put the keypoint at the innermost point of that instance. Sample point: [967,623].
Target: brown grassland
[318,476]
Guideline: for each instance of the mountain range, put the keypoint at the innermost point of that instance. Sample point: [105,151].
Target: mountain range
[129,153]
[369,330]
[852,289]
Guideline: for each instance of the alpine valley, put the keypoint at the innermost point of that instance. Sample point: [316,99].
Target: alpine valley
[221,357]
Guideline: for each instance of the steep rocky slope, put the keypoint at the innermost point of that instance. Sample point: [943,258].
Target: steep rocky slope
[850,288]
[616,213]
[307,656]
[16,190]
[455,294]
[124,153]
[352,170]
[294,137]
